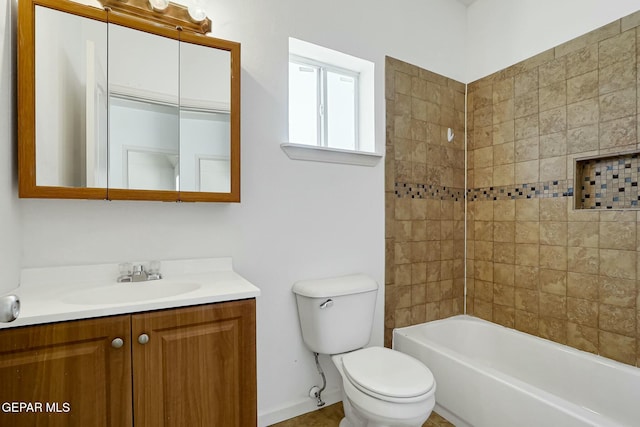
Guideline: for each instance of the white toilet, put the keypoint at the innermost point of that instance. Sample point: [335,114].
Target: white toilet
[381,387]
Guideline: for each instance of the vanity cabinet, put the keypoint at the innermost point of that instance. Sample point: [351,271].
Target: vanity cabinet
[191,366]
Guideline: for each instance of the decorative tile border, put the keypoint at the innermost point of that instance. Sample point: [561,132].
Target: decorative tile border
[547,189]
[561,188]
[428,191]
[609,182]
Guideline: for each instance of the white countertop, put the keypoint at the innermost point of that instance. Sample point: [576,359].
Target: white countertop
[69,293]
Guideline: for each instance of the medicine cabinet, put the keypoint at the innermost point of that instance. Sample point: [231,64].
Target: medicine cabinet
[126,102]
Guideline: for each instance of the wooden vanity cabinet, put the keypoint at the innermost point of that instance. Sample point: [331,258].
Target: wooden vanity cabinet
[68,372]
[193,366]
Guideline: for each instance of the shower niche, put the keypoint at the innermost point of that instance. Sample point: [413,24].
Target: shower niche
[607,182]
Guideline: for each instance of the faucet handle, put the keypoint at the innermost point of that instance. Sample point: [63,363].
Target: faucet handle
[138,269]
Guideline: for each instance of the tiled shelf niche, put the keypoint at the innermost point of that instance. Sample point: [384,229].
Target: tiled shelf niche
[608,182]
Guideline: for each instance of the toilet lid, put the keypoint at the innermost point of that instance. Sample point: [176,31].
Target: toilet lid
[387,372]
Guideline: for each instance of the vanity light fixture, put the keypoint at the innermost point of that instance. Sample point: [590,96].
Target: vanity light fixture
[159,5]
[192,18]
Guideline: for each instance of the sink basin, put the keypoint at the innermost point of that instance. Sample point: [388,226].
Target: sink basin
[129,292]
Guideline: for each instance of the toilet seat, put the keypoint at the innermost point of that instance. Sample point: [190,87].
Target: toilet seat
[387,374]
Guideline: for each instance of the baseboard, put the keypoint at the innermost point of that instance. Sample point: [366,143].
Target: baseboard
[298,407]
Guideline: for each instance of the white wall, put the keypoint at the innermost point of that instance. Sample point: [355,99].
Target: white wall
[10,243]
[504,32]
[297,220]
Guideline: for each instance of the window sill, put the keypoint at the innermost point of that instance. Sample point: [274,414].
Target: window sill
[330,155]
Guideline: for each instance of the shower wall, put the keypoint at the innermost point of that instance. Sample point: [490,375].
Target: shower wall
[534,263]
[424,189]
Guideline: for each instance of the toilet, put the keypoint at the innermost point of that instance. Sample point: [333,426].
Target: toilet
[380,387]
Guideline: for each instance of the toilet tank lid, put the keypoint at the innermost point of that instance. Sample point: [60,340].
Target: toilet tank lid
[335,286]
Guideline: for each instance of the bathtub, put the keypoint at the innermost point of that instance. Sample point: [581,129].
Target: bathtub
[491,376]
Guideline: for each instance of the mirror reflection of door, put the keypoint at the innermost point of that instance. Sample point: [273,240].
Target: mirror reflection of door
[71,101]
[144,112]
[205,127]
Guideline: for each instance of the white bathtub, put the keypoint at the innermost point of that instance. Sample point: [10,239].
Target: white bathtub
[491,376]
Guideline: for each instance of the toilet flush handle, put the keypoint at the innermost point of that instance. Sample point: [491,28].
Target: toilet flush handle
[328,303]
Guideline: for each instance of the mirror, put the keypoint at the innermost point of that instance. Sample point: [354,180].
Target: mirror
[71,100]
[144,128]
[114,107]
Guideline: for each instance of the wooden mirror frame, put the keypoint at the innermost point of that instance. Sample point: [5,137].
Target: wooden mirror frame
[27,99]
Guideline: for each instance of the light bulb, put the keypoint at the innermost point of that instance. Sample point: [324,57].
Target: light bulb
[196,11]
[159,5]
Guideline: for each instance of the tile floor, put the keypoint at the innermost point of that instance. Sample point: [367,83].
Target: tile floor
[331,415]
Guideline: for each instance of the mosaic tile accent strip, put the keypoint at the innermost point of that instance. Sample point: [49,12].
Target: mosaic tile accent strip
[428,191]
[608,182]
[548,189]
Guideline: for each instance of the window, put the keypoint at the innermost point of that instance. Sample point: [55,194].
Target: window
[331,106]
[323,104]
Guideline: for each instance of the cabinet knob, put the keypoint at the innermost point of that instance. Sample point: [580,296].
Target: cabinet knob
[117,343]
[143,339]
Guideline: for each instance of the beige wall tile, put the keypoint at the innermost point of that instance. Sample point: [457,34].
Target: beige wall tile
[621,47]
[504,252]
[553,257]
[527,149]
[483,291]
[503,175]
[554,120]
[553,282]
[504,210]
[554,306]
[553,145]
[527,127]
[620,320]
[618,104]
[616,76]
[526,82]
[527,172]
[553,233]
[583,286]
[483,157]
[552,72]
[618,235]
[504,295]
[617,292]
[527,254]
[582,312]
[527,232]
[582,337]
[553,329]
[583,260]
[527,300]
[503,315]
[503,111]
[527,209]
[616,263]
[583,113]
[553,96]
[504,231]
[582,61]
[483,251]
[618,133]
[583,139]
[503,90]
[583,234]
[504,274]
[503,132]
[617,347]
[527,322]
[526,104]
[553,209]
[582,87]
[553,168]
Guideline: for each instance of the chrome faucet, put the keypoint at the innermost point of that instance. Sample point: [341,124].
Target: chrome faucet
[138,273]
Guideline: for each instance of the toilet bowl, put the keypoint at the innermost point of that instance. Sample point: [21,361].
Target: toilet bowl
[383,387]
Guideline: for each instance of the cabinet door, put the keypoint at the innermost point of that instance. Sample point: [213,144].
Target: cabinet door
[66,374]
[198,368]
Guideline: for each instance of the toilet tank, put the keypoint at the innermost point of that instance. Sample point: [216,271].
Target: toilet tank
[336,314]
